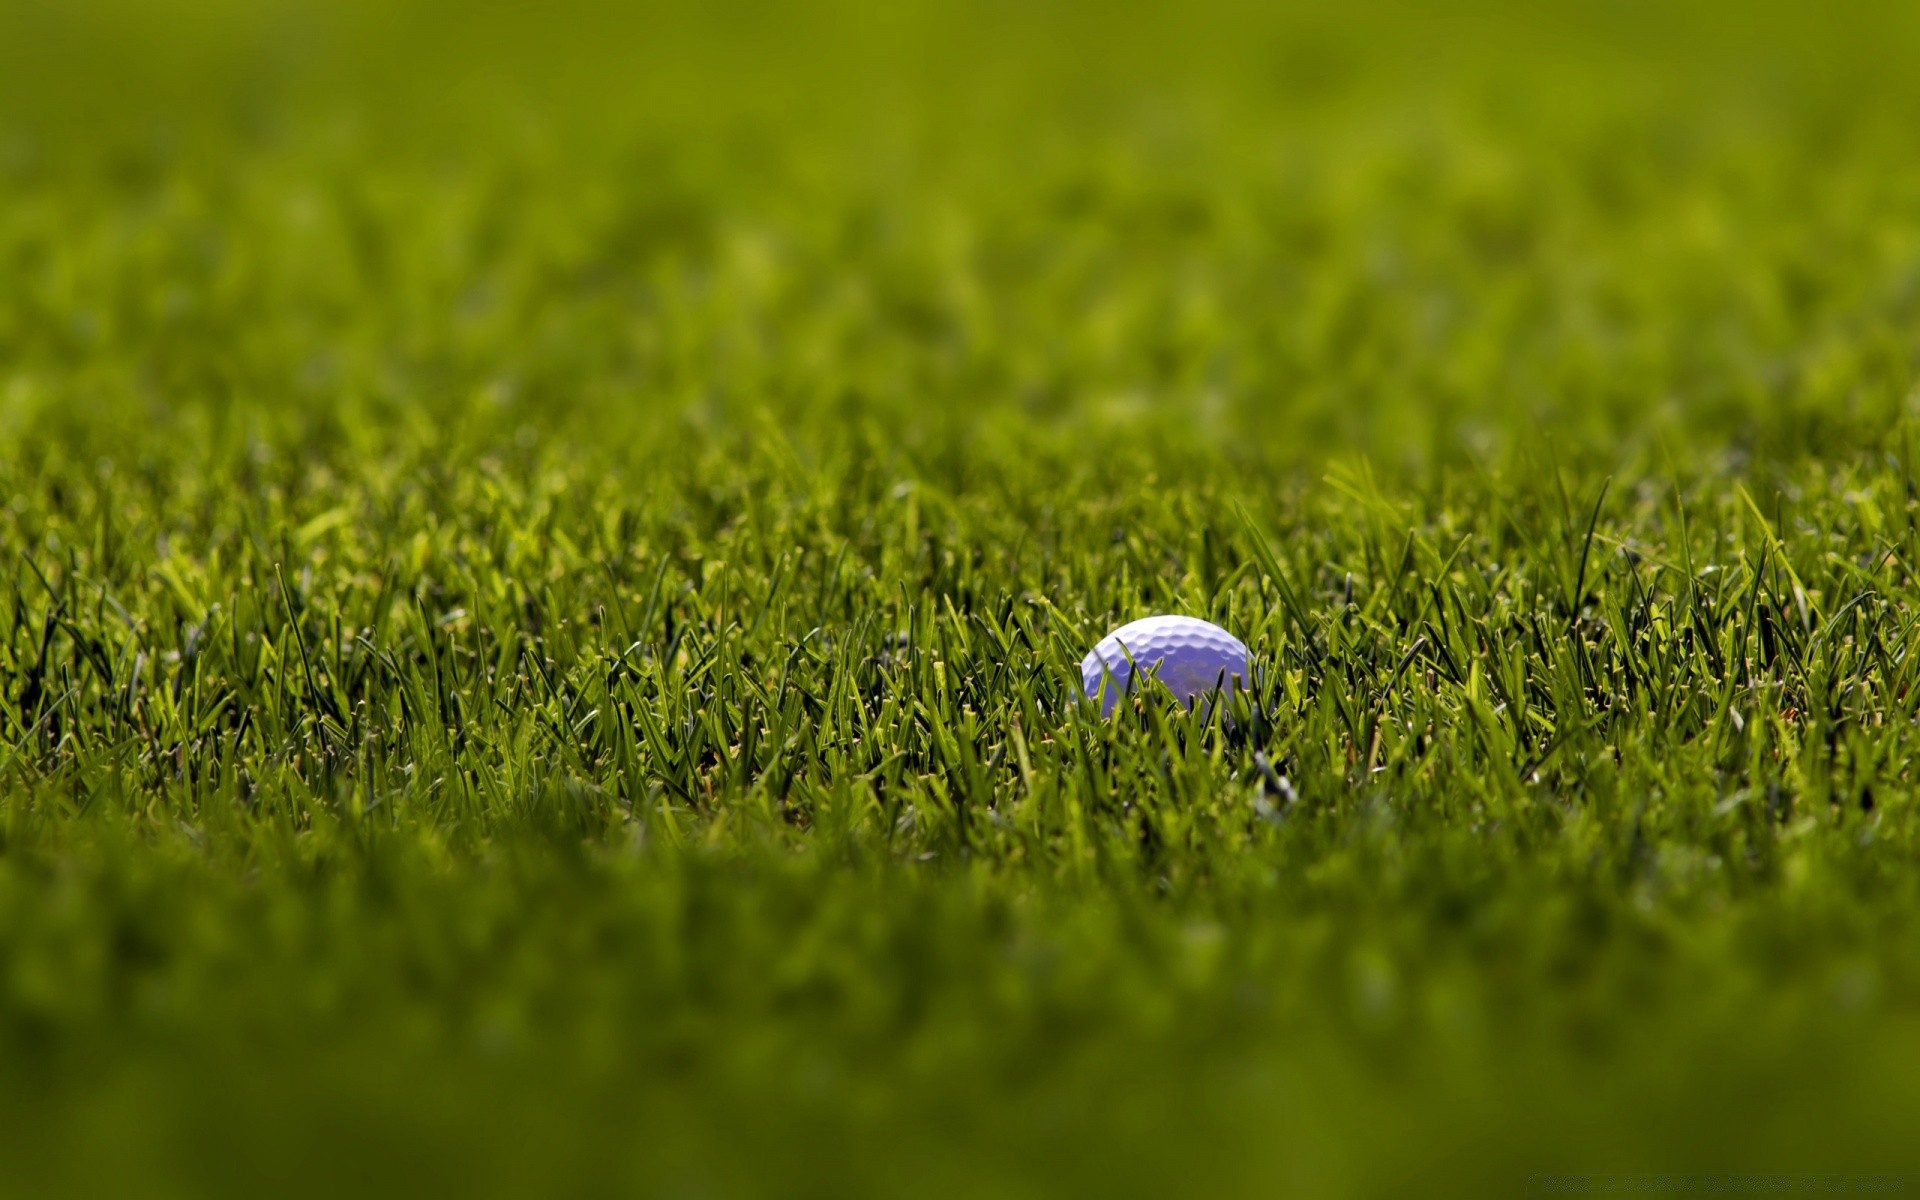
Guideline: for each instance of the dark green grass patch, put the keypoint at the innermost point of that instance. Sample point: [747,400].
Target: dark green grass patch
[544,559]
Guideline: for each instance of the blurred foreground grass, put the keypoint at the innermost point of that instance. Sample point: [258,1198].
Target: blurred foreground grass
[545,555]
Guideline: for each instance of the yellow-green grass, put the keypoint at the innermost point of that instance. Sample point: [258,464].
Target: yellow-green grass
[544,553]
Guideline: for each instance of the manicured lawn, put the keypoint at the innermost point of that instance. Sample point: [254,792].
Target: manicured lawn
[545,551]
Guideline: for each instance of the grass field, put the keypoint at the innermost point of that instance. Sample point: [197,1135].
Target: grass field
[544,552]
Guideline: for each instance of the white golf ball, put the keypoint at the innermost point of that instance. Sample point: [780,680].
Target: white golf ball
[1190,656]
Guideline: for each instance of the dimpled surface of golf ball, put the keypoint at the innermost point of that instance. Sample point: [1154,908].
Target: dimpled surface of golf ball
[1190,656]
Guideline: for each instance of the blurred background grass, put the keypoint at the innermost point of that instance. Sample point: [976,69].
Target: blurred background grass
[1299,230]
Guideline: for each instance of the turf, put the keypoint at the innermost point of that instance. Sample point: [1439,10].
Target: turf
[544,555]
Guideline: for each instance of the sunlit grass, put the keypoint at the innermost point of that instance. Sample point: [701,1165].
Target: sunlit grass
[543,567]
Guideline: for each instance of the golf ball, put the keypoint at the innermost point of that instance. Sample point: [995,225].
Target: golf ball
[1190,656]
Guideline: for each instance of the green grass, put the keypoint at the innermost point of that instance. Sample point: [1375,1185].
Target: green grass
[543,562]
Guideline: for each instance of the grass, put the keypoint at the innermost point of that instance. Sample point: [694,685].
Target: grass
[544,560]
